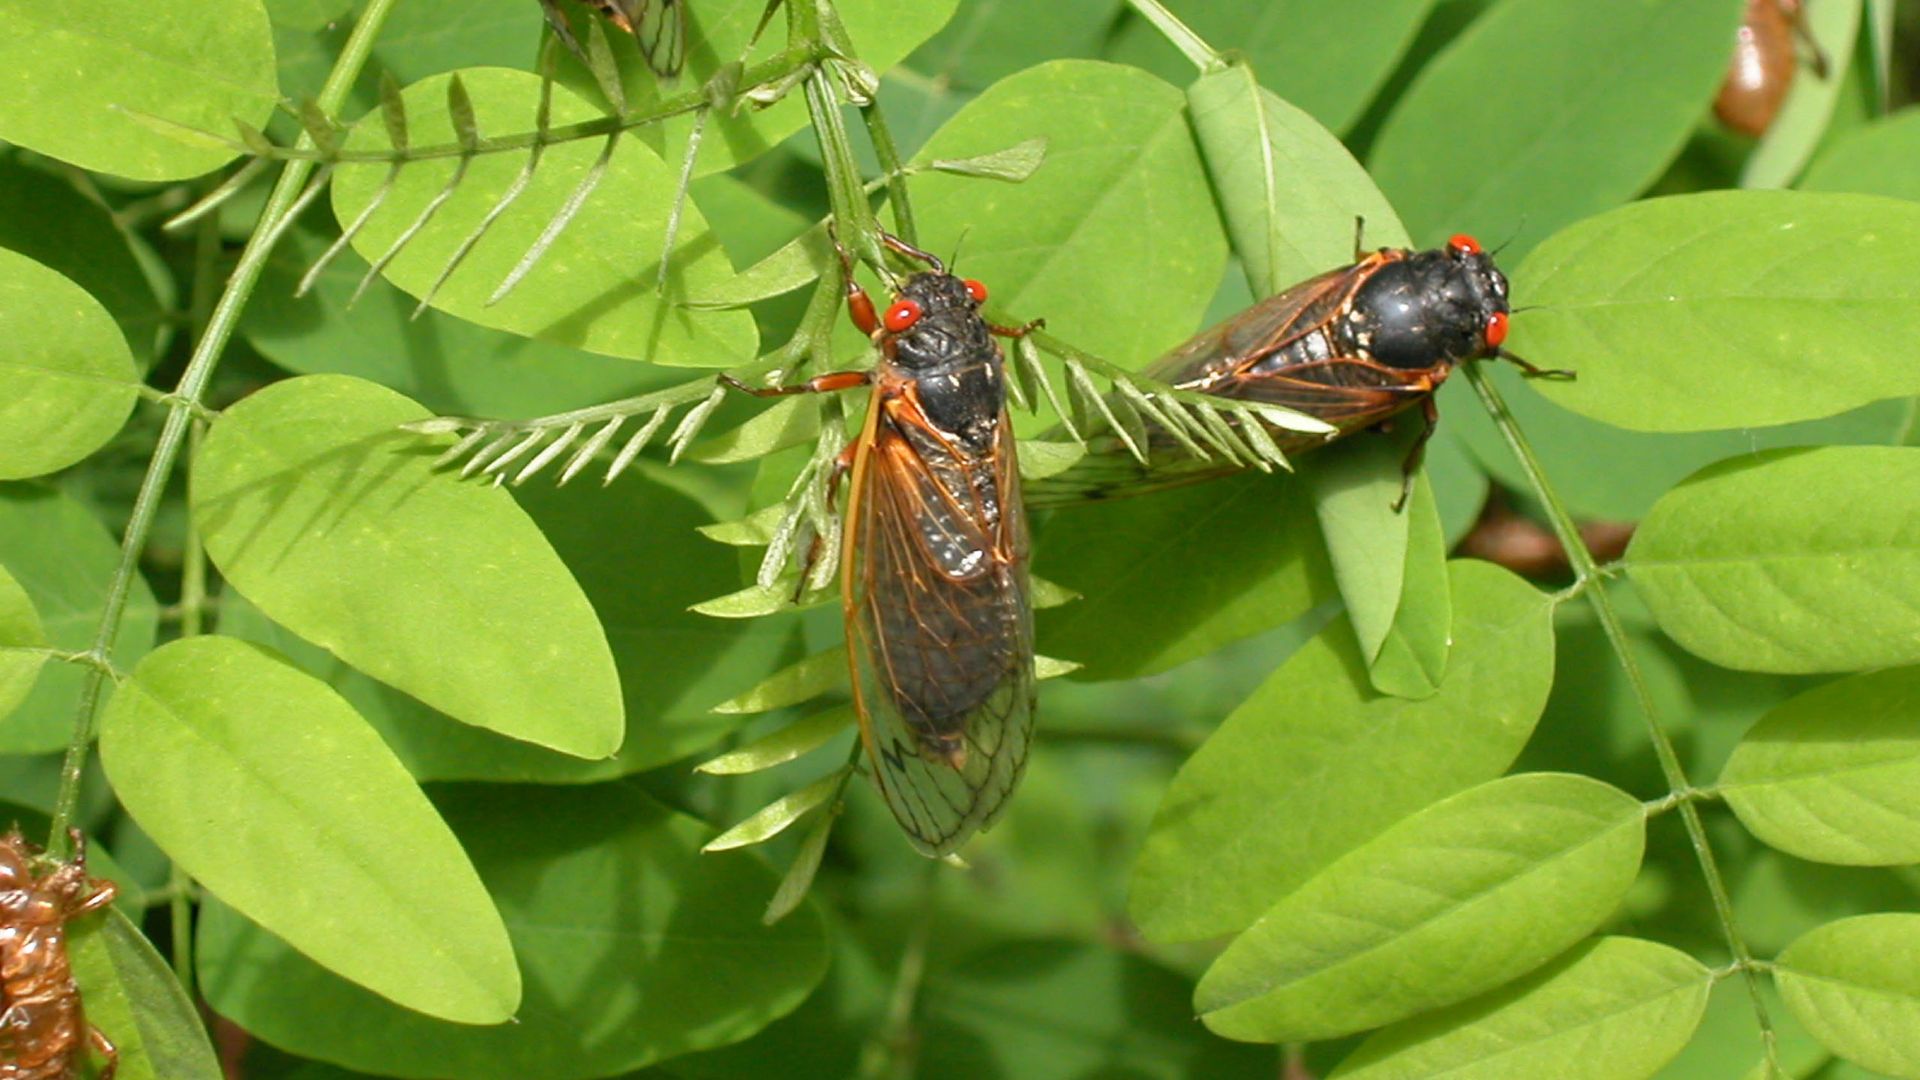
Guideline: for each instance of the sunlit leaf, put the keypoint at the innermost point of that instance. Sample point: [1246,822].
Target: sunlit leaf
[321,511]
[199,752]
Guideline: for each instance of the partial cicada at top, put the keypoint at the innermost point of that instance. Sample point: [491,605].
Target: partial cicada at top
[1353,347]
[660,26]
[934,558]
[43,1028]
[1766,57]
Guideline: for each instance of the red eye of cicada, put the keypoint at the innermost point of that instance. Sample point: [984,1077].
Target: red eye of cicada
[1497,329]
[900,316]
[977,291]
[1462,244]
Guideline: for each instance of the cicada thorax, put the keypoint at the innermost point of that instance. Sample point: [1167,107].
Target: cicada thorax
[1764,63]
[43,1027]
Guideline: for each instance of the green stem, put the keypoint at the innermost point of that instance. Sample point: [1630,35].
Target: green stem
[852,214]
[180,417]
[1671,769]
[896,174]
[1180,36]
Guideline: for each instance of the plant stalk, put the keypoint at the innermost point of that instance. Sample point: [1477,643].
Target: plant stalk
[1588,573]
[181,416]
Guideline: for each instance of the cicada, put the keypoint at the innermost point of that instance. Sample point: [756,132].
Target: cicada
[660,26]
[1354,347]
[42,1025]
[1765,60]
[933,561]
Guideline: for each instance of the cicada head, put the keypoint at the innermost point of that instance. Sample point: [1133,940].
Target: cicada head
[1433,308]
[934,322]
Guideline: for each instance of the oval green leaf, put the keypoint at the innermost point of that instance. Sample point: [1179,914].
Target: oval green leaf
[1122,186]
[1789,560]
[317,508]
[68,383]
[131,995]
[1465,895]
[1854,984]
[1542,113]
[594,288]
[1727,309]
[1346,762]
[65,560]
[200,750]
[1288,189]
[114,89]
[1833,775]
[1638,1000]
[50,221]
[636,947]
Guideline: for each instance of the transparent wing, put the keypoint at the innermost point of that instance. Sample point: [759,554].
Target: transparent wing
[939,628]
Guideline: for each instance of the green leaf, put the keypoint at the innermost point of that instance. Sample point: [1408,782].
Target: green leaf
[22,641]
[781,746]
[64,559]
[802,681]
[1824,580]
[1465,895]
[132,996]
[1874,160]
[1328,59]
[1346,762]
[1541,114]
[76,86]
[1413,657]
[1727,309]
[198,748]
[49,221]
[1802,121]
[318,509]
[1833,775]
[774,818]
[1854,984]
[1288,190]
[594,287]
[1639,1001]
[1061,1008]
[635,947]
[69,382]
[1395,590]
[450,365]
[1158,598]
[1122,187]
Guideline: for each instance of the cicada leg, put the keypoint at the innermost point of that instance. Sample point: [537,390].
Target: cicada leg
[1533,372]
[1430,417]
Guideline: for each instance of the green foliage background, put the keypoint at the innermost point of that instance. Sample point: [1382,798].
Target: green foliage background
[388,756]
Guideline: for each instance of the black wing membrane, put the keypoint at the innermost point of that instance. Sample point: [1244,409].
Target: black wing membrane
[939,628]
